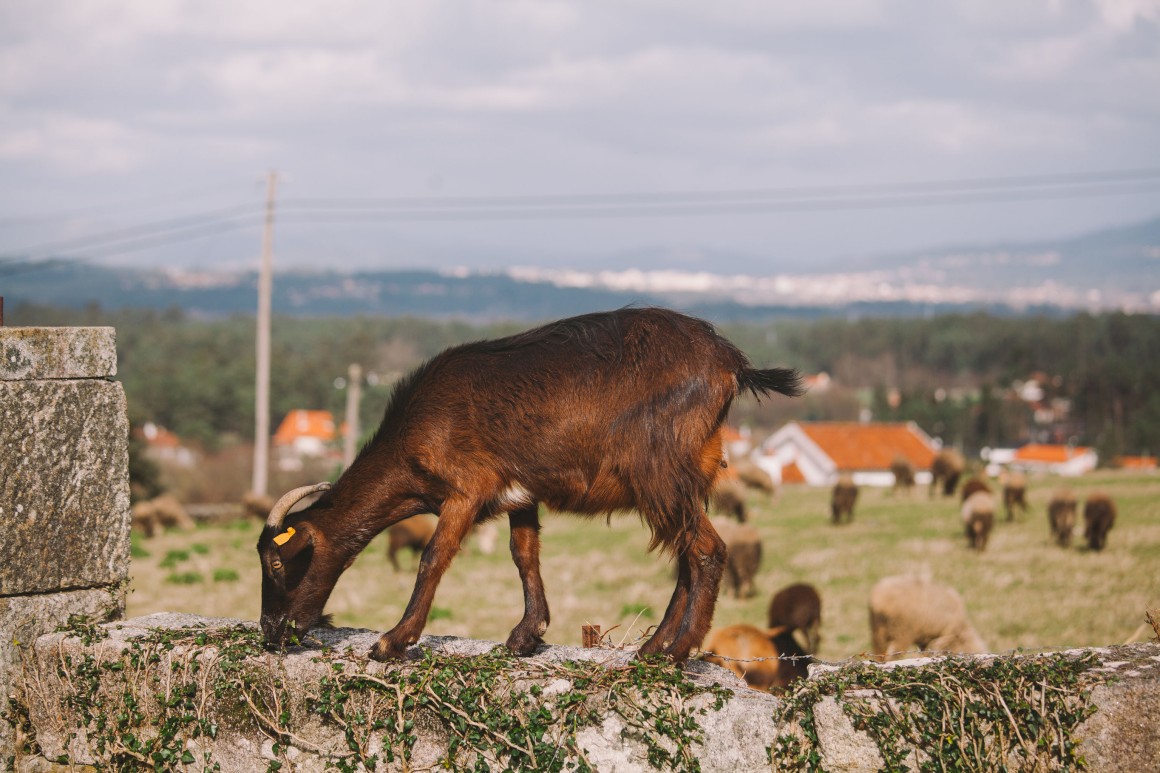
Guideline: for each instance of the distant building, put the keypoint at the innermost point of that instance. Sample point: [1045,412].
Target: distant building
[164,446]
[303,434]
[1045,458]
[1135,463]
[816,453]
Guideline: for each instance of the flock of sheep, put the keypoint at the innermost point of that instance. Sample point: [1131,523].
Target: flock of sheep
[907,612]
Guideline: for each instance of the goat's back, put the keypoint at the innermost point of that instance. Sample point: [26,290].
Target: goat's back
[591,414]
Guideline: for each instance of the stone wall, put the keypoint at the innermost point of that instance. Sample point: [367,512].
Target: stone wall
[178,692]
[64,488]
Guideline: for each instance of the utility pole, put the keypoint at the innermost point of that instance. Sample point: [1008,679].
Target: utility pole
[262,386]
[353,398]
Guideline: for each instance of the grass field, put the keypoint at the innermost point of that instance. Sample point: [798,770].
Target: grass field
[1024,592]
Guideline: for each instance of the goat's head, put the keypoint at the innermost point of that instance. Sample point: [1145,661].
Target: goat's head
[297,569]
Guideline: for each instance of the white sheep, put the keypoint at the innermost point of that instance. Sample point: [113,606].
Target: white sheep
[909,612]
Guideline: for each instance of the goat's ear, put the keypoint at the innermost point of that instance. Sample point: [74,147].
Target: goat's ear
[293,541]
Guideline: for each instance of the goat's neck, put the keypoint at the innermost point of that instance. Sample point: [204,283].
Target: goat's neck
[358,510]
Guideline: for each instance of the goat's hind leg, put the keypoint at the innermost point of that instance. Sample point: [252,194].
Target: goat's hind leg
[675,612]
[455,520]
[706,559]
[525,547]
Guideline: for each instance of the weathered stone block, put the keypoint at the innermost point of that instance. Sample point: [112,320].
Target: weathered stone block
[23,619]
[64,485]
[30,353]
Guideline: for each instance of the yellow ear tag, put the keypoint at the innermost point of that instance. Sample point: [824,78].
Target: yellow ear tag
[284,537]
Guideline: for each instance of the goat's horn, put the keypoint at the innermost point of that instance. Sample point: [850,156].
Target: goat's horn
[288,500]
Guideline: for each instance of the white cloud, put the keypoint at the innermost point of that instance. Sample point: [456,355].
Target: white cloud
[71,142]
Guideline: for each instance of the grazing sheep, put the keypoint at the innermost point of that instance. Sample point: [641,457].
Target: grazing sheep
[947,468]
[908,612]
[798,606]
[413,533]
[754,477]
[729,498]
[163,512]
[903,471]
[1014,494]
[979,518]
[842,499]
[599,413]
[1099,513]
[742,555]
[1061,515]
[765,659]
[486,535]
[257,505]
[973,485]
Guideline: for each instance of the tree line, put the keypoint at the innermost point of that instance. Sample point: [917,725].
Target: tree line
[952,374]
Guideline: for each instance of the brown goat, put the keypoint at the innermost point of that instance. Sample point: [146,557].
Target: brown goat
[979,518]
[765,659]
[798,606]
[947,468]
[1099,513]
[594,414]
[1014,494]
[842,500]
[1061,515]
[413,533]
[903,471]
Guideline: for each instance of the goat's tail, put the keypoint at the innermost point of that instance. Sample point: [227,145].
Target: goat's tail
[786,381]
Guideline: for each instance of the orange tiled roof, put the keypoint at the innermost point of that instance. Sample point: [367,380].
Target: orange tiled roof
[1048,453]
[791,473]
[1135,462]
[303,423]
[856,446]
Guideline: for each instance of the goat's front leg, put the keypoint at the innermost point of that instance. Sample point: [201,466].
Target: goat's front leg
[525,547]
[455,520]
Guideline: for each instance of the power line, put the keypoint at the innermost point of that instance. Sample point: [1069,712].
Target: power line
[961,186]
[595,206]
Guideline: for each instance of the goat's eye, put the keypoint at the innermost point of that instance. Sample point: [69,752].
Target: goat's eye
[276,564]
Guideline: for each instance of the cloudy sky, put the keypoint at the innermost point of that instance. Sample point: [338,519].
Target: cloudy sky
[731,136]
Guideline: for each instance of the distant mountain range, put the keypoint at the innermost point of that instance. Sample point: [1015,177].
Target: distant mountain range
[1111,269]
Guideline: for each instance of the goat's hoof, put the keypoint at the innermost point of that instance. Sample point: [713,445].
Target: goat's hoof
[523,644]
[385,649]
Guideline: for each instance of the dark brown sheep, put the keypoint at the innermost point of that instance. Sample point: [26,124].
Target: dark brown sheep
[1099,513]
[903,472]
[591,415]
[947,468]
[799,607]
[413,533]
[842,499]
[768,660]
[979,518]
[1014,494]
[1061,515]
[973,485]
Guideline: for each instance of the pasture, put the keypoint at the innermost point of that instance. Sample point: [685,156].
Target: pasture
[1023,592]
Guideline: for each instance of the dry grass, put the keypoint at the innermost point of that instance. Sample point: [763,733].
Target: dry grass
[1023,592]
